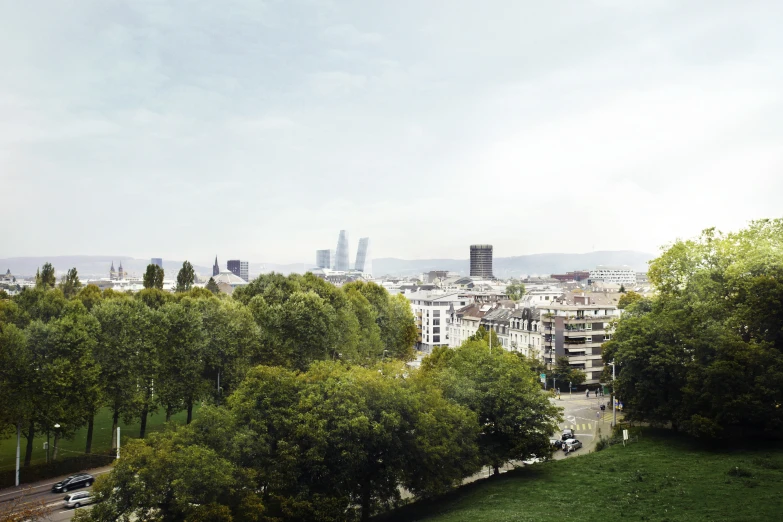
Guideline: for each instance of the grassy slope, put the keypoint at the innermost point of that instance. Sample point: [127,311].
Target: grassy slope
[101,440]
[660,478]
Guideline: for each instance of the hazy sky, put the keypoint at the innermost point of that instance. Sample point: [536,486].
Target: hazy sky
[259,129]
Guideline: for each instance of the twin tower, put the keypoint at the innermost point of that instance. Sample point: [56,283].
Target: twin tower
[338,259]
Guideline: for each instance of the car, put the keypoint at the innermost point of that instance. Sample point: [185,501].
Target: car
[573,444]
[567,434]
[532,460]
[80,480]
[78,499]
[557,443]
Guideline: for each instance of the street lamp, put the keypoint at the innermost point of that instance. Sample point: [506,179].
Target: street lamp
[614,398]
[489,325]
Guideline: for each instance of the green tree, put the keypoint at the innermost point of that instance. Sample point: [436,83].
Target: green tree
[483,335]
[212,286]
[563,372]
[38,303]
[514,414]
[185,277]
[45,278]
[180,358]
[628,299]
[89,295]
[153,277]
[70,284]
[515,291]
[622,289]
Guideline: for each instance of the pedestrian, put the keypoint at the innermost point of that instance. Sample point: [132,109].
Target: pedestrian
[588,392]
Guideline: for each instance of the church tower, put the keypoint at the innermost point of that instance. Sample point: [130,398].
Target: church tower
[121,272]
[112,272]
[215,268]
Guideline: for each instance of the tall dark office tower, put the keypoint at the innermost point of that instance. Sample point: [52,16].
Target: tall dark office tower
[239,268]
[481,261]
[361,254]
[342,262]
[157,261]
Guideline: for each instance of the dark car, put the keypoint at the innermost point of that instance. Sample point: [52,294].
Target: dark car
[557,443]
[567,434]
[80,480]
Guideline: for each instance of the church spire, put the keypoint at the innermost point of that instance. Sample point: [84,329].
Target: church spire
[215,268]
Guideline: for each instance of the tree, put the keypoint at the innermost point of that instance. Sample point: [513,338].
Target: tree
[622,289]
[153,277]
[483,335]
[70,284]
[563,372]
[45,278]
[180,358]
[212,286]
[515,291]
[185,277]
[514,414]
[706,352]
[89,295]
[628,299]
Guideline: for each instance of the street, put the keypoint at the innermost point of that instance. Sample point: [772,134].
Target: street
[41,492]
[584,416]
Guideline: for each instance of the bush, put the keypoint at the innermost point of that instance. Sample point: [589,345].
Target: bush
[54,469]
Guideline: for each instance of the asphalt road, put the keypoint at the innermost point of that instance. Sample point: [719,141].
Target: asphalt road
[41,492]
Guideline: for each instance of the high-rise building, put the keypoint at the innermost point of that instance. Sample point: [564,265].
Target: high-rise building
[239,268]
[341,262]
[324,258]
[481,261]
[157,261]
[215,268]
[361,255]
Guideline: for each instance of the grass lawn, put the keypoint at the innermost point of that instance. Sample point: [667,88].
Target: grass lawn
[101,438]
[660,478]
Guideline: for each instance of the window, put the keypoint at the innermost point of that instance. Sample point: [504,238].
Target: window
[436,329]
[547,298]
[436,338]
[436,313]
[436,322]
[589,326]
[588,339]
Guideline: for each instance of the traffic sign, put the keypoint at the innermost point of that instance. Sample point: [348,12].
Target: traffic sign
[543,377]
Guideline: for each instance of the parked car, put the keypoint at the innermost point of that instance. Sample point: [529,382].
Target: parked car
[557,443]
[79,499]
[567,434]
[573,444]
[80,480]
[532,460]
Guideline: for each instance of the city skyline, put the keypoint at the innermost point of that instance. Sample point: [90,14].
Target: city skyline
[637,125]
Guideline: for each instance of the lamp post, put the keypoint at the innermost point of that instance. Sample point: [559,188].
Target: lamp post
[614,399]
[489,325]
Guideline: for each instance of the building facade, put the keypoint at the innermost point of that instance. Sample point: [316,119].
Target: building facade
[361,254]
[621,275]
[341,253]
[324,259]
[481,261]
[158,261]
[430,311]
[576,327]
[239,268]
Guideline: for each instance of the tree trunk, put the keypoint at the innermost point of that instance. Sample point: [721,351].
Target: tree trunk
[114,421]
[495,470]
[90,425]
[143,428]
[56,444]
[28,452]
[190,410]
[168,413]
[365,501]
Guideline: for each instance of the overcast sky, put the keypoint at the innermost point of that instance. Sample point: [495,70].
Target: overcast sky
[258,130]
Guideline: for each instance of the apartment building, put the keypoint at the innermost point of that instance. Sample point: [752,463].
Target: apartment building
[525,332]
[576,327]
[430,311]
[621,275]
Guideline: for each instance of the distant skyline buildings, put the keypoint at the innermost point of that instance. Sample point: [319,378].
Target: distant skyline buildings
[325,258]
[481,261]
[361,254]
[239,268]
[157,261]
[341,263]
[215,268]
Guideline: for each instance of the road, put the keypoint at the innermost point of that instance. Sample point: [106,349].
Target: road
[584,416]
[41,492]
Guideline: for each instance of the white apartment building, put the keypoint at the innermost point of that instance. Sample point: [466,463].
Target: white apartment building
[430,310]
[525,332]
[576,327]
[621,275]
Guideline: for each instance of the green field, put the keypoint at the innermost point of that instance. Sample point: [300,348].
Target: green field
[659,478]
[101,439]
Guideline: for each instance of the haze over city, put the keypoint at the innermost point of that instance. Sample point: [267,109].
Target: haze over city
[189,128]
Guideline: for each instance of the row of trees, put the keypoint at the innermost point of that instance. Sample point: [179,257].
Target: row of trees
[61,359]
[705,354]
[336,442]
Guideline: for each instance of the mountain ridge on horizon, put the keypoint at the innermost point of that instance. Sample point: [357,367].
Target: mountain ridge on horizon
[504,267]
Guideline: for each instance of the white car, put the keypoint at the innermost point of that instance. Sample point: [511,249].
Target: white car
[79,499]
[532,460]
[573,444]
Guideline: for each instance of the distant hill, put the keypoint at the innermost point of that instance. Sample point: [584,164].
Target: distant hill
[518,265]
[98,266]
